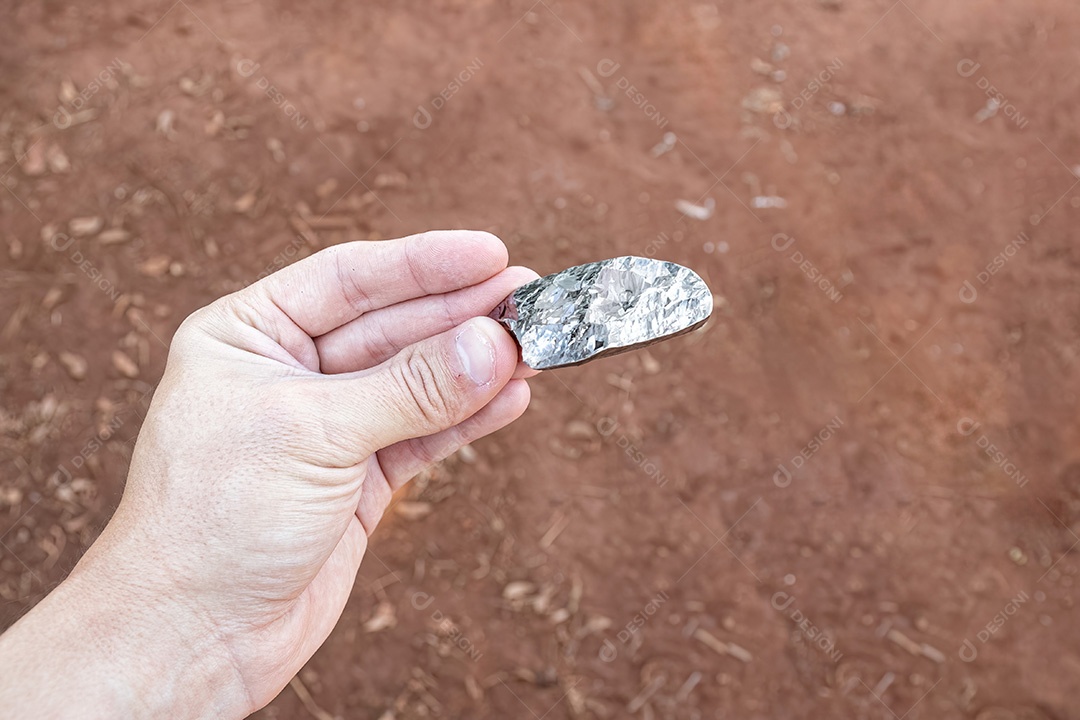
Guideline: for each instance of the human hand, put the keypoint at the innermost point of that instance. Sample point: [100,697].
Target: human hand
[288,414]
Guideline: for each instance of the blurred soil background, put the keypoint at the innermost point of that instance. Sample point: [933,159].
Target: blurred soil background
[854,493]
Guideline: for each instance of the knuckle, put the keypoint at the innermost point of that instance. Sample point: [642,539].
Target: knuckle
[192,331]
[354,294]
[420,385]
[409,250]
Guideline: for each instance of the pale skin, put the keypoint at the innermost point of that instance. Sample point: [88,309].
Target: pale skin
[288,414]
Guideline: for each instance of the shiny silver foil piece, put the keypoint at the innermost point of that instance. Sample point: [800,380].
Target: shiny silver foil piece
[603,308]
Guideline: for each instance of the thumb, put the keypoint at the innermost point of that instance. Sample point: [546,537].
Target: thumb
[429,386]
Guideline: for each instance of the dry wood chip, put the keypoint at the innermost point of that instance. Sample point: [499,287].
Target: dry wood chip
[559,616]
[125,365]
[932,653]
[596,624]
[904,641]
[518,590]
[33,160]
[75,365]
[739,653]
[245,202]
[761,67]
[722,647]
[83,226]
[277,149]
[580,430]
[472,687]
[155,266]
[57,160]
[52,298]
[382,619]
[884,683]
[646,693]
[48,231]
[558,524]
[413,510]
[14,323]
[688,687]
[711,641]
[165,122]
[112,236]
[577,590]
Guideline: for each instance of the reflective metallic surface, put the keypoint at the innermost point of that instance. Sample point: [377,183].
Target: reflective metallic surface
[603,308]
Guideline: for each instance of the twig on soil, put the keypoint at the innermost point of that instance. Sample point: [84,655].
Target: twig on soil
[558,524]
[722,647]
[646,693]
[688,687]
[307,701]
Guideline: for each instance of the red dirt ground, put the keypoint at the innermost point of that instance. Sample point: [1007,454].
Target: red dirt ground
[926,533]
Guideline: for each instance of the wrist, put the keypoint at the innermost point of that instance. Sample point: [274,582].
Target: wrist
[103,646]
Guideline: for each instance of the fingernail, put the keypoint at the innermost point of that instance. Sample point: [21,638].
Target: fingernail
[476,353]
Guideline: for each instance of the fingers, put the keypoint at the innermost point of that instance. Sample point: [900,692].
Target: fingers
[426,388]
[343,282]
[381,334]
[404,460]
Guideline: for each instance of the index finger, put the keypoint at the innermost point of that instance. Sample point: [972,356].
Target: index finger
[339,284]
